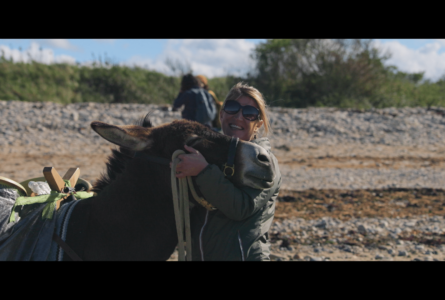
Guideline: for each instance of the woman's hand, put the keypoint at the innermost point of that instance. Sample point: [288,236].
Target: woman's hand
[191,164]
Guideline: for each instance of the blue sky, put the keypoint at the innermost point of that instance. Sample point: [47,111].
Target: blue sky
[211,57]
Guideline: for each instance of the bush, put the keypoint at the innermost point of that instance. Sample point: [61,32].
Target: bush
[38,82]
[119,84]
[338,73]
[64,83]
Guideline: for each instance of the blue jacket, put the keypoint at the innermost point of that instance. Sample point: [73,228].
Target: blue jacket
[188,99]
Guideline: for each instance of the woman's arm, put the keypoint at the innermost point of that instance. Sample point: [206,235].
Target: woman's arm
[179,101]
[234,202]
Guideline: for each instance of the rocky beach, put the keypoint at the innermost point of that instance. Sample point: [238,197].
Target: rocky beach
[357,185]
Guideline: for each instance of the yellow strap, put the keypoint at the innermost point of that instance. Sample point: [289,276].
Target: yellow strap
[198,199]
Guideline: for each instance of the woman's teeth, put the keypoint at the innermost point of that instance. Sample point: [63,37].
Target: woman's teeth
[235,127]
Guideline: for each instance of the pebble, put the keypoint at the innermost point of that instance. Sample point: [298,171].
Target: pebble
[362,229]
[315,258]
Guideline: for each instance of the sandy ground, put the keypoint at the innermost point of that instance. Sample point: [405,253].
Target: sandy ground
[19,163]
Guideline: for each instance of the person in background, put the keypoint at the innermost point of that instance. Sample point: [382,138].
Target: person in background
[202,80]
[238,229]
[188,97]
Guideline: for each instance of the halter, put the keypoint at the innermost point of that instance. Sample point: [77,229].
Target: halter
[230,165]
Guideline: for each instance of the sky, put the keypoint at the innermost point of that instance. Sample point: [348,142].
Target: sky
[210,57]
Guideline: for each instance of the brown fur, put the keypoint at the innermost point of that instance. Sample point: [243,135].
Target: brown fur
[176,131]
[118,159]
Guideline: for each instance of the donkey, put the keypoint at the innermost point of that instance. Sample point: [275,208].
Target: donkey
[132,217]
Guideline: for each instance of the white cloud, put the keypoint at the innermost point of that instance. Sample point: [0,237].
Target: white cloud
[426,59]
[430,48]
[60,43]
[441,41]
[208,57]
[36,53]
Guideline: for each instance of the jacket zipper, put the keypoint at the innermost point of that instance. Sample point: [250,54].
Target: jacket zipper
[241,246]
[200,236]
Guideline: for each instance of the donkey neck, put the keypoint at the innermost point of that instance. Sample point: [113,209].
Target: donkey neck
[128,222]
[140,186]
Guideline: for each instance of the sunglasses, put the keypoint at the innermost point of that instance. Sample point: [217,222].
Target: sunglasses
[250,113]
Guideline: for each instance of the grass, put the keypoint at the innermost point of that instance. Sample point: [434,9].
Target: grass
[108,83]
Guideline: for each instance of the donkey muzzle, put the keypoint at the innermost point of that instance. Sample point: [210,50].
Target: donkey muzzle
[257,168]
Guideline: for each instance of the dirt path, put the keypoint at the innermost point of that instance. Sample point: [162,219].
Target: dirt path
[20,163]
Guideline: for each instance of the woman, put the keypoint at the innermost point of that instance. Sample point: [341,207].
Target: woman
[233,234]
[189,95]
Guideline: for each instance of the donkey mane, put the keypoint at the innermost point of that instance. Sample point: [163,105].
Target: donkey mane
[118,160]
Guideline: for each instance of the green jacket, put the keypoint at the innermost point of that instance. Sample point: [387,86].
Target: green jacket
[238,229]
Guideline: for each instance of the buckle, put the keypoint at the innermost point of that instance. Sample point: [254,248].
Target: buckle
[231,168]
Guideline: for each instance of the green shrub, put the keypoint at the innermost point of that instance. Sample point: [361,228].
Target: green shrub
[337,73]
[65,83]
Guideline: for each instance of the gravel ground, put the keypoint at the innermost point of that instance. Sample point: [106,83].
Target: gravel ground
[318,150]
[384,232]
[325,136]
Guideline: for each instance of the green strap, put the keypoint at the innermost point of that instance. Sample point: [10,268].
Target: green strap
[50,199]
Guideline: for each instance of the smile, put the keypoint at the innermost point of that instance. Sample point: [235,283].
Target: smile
[235,127]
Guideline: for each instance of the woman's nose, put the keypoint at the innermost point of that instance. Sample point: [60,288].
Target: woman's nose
[239,115]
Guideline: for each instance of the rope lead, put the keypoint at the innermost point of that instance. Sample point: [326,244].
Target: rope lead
[181,207]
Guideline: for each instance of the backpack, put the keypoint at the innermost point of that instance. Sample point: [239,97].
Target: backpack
[205,106]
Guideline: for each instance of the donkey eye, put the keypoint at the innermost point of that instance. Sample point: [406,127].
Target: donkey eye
[192,141]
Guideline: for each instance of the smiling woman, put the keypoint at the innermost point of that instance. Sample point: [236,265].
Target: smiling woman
[251,102]
[238,228]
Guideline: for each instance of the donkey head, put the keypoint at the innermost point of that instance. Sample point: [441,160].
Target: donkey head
[253,164]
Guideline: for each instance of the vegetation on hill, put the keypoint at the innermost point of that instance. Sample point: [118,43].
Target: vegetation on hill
[289,72]
[339,73]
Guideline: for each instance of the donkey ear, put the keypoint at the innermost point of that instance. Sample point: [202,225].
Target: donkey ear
[145,121]
[133,137]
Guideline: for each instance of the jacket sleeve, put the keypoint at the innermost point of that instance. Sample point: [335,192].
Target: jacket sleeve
[234,202]
[180,100]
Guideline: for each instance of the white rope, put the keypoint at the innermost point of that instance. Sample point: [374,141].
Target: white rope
[181,208]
